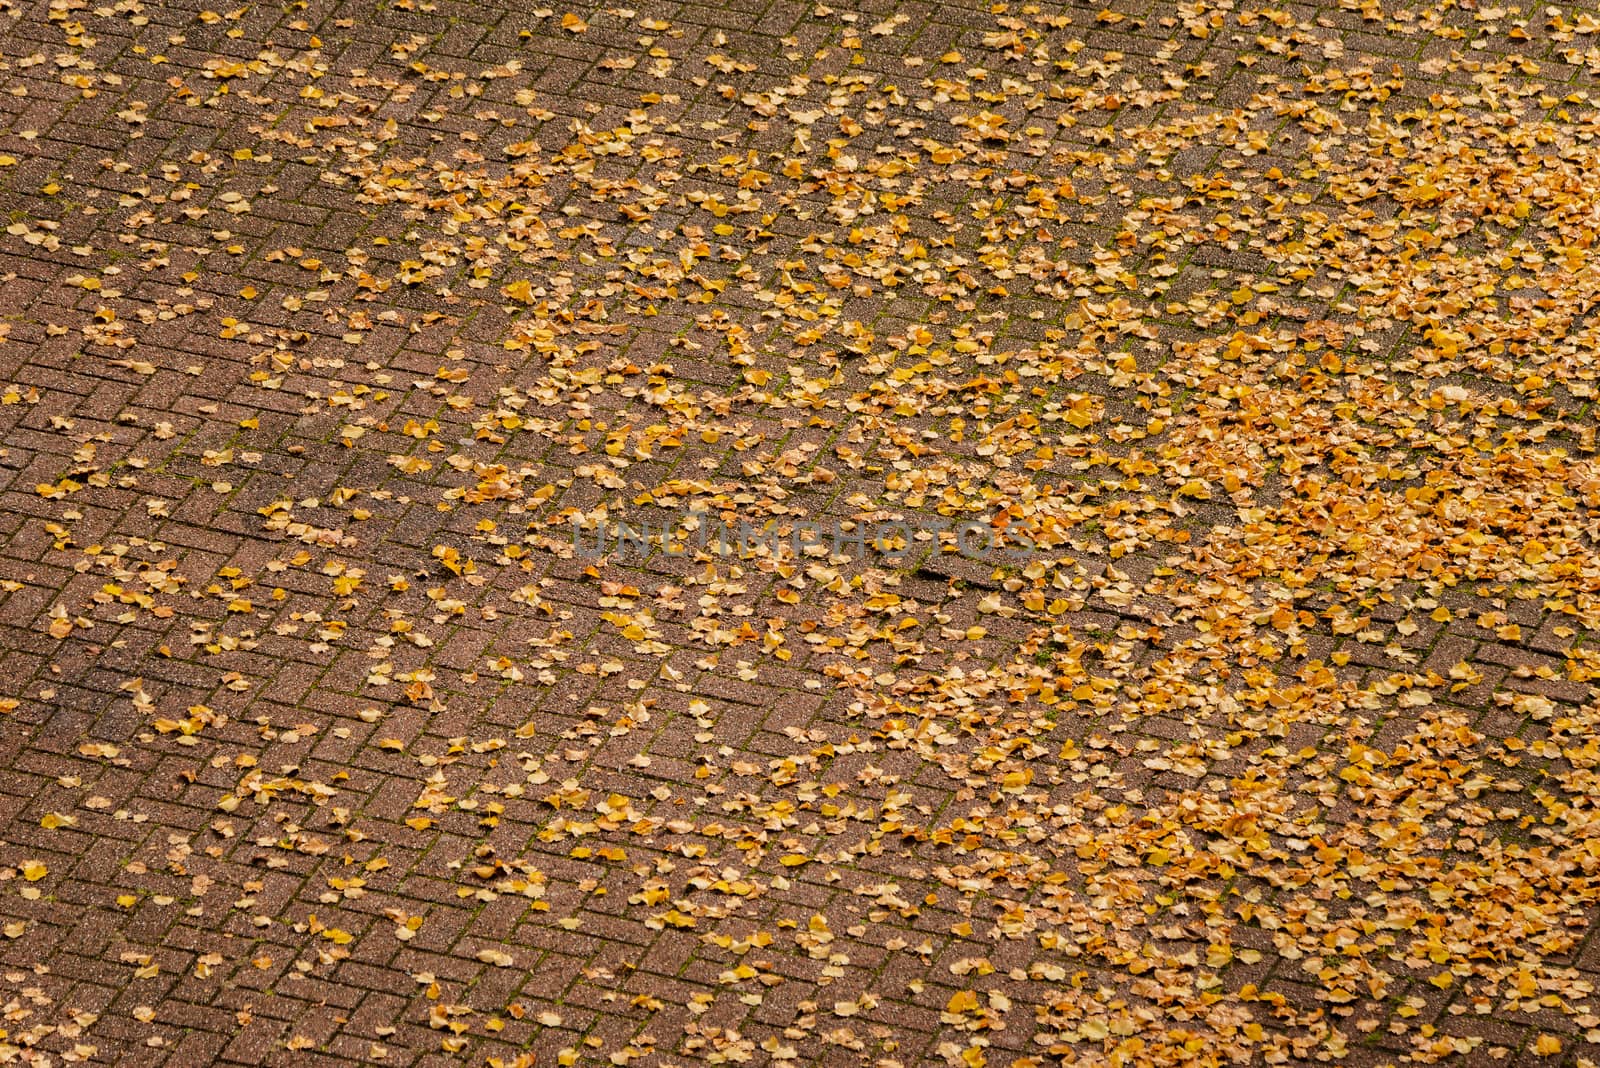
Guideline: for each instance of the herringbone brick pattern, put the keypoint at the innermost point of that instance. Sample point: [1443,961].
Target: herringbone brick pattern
[1267,327]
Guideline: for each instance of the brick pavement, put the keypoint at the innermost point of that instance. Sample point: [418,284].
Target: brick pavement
[1268,326]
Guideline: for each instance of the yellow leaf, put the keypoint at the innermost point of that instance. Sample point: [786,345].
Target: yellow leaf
[962,1001]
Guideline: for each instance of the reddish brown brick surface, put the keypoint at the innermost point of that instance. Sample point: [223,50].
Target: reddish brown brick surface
[319,319]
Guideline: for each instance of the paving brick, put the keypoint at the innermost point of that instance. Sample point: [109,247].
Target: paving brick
[843,790]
